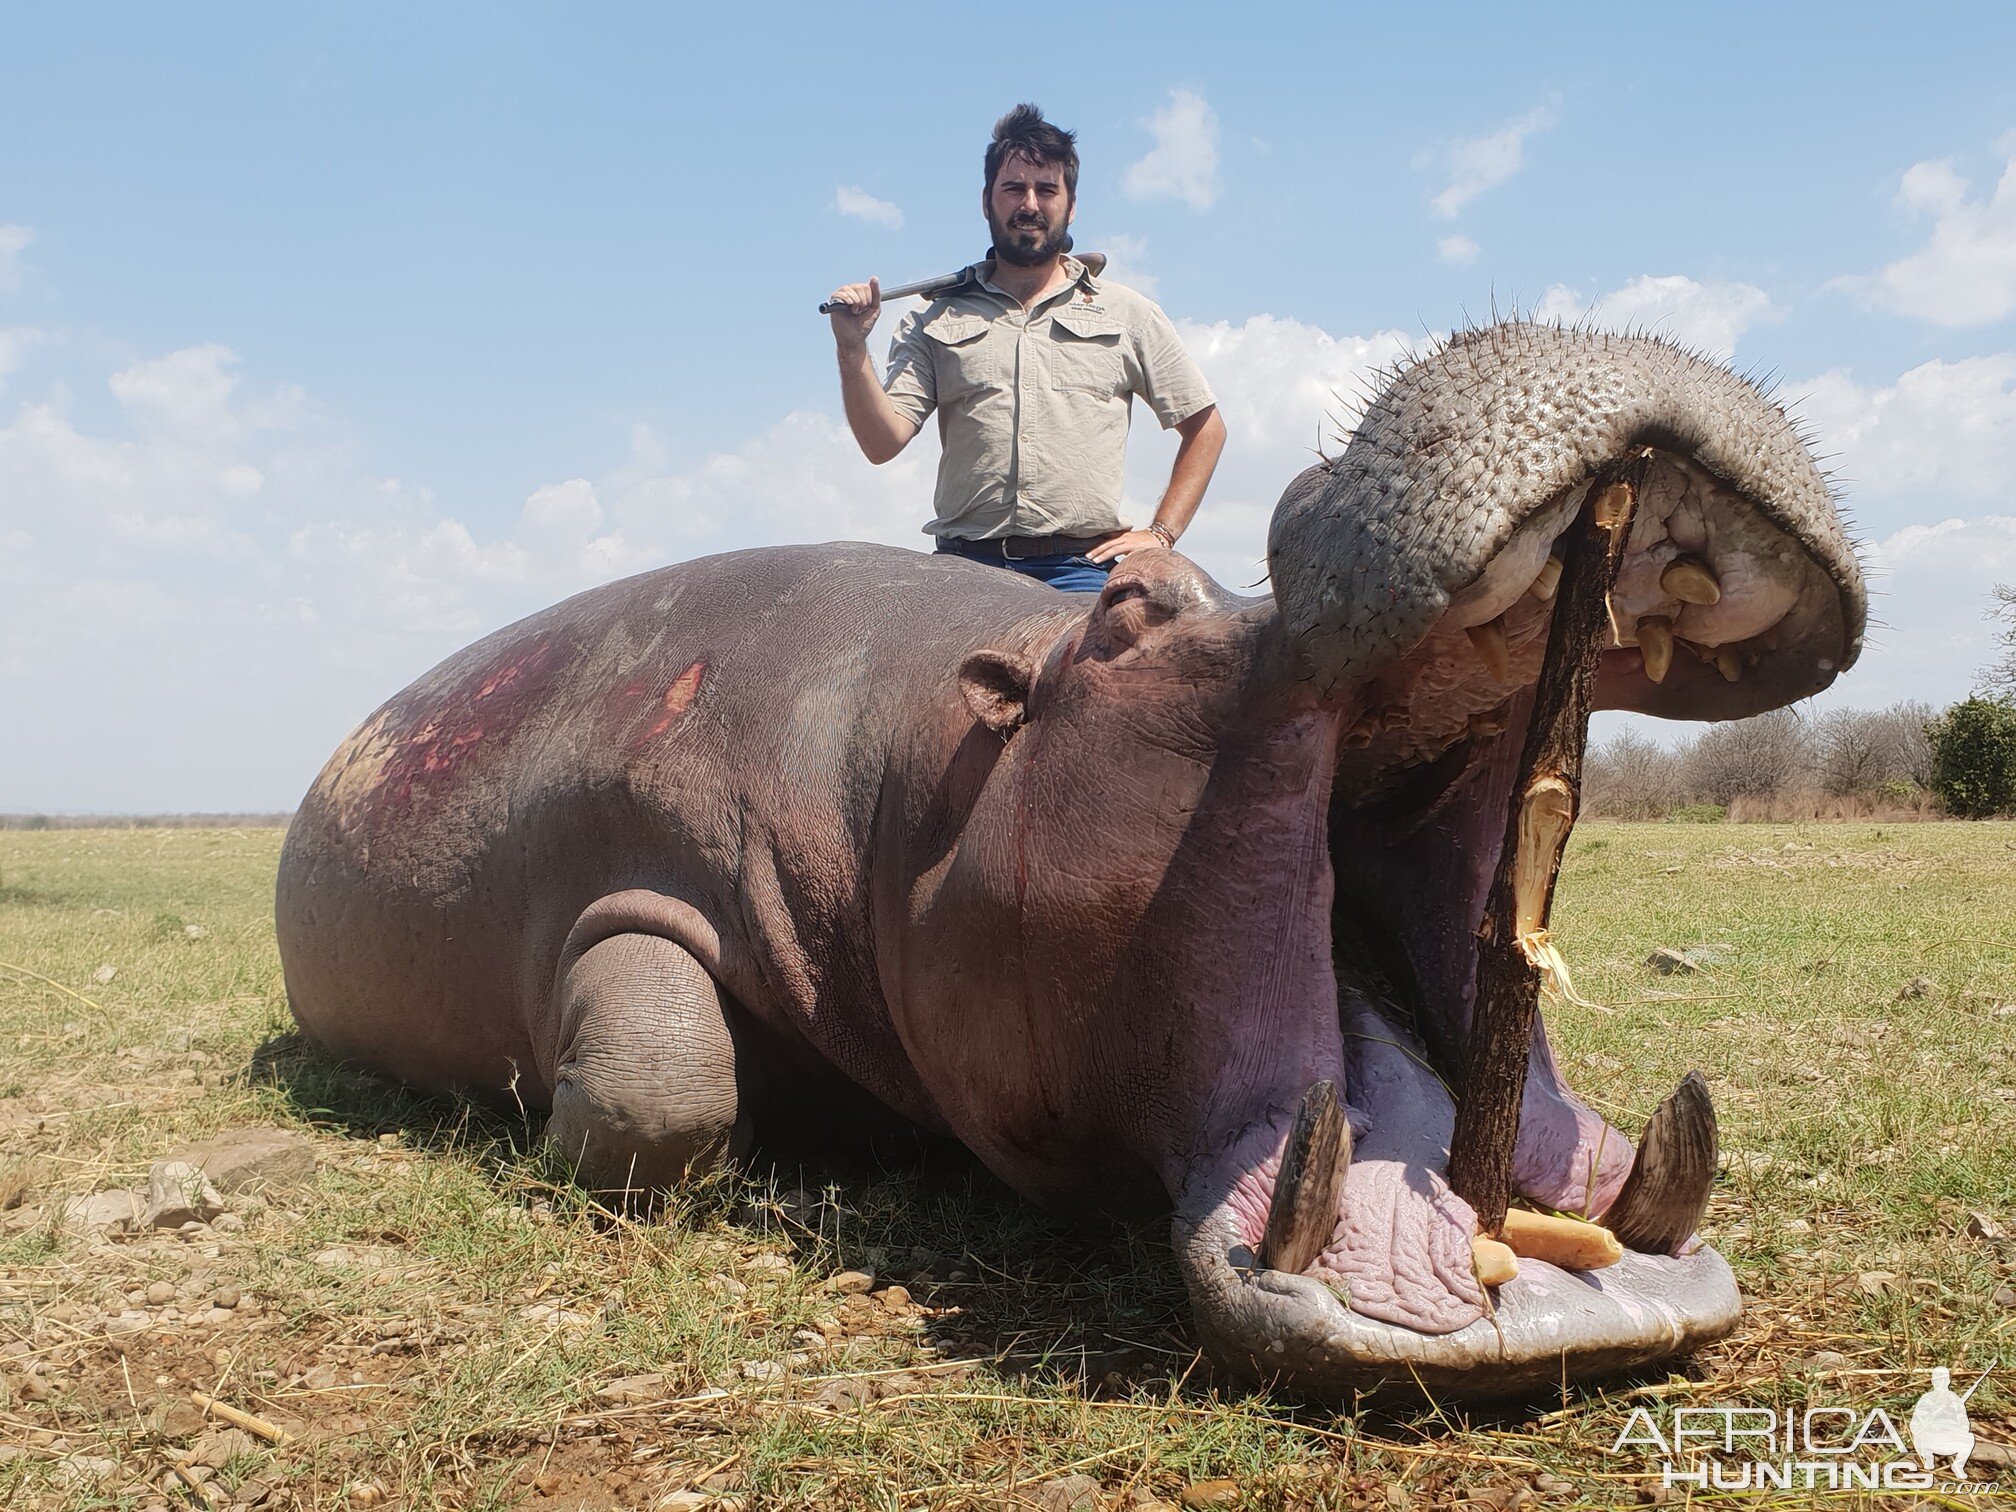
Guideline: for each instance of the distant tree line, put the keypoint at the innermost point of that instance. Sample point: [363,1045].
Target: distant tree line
[1906,760]
[1846,763]
[143,821]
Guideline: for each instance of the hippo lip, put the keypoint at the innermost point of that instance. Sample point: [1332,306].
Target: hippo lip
[1546,1326]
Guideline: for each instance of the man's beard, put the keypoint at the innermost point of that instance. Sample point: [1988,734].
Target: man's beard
[1012,243]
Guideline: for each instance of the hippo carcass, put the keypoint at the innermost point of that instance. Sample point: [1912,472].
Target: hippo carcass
[1101,887]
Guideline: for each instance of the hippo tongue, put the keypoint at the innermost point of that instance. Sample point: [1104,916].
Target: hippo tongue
[1402,1252]
[1399,1246]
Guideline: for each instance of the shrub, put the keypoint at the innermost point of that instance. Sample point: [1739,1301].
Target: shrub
[1974,757]
[1698,813]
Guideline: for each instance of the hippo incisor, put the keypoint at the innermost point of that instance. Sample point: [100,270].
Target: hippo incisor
[1100,886]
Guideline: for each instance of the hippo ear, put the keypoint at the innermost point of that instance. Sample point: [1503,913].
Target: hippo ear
[996,686]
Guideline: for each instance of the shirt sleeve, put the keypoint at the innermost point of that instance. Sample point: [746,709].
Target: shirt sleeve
[911,382]
[1171,384]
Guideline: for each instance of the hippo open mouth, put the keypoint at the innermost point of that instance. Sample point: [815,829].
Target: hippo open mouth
[1733,592]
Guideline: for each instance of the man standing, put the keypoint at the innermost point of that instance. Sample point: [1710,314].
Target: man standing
[1032,364]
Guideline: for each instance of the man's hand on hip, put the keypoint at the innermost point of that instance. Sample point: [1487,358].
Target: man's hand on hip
[860,306]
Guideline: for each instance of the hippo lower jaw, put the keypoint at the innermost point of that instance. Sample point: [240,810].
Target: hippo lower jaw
[1547,1326]
[1392,1298]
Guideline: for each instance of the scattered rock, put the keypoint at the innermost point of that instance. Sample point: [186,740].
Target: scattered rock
[556,1316]
[1210,1493]
[244,1160]
[851,1283]
[179,1193]
[34,1387]
[2004,1297]
[1878,1283]
[104,974]
[218,1448]
[159,1294]
[727,1286]
[895,1298]
[1069,1493]
[635,1388]
[1553,1485]
[85,1469]
[194,931]
[103,1210]
[1917,987]
[1670,962]
[679,1501]
[226,1296]
[761,1370]
[2001,1456]
[364,1493]
[1829,1359]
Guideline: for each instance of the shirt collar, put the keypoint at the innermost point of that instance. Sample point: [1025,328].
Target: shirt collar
[1076,275]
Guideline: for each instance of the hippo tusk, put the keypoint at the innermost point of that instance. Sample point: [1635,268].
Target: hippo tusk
[1303,1214]
[1494,648]
[1691,580]
[1666,1193]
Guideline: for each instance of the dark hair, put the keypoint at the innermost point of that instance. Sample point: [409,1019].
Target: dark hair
[1024,133]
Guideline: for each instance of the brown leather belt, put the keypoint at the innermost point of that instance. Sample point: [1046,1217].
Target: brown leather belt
[1020,548]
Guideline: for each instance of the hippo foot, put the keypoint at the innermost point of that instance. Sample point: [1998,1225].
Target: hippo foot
[645,1092]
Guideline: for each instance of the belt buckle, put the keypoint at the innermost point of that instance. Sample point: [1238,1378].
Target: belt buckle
[1010,556]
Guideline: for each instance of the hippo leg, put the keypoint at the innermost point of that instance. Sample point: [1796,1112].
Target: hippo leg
[645,1093]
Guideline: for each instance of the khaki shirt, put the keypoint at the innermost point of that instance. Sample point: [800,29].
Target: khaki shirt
[1033,405]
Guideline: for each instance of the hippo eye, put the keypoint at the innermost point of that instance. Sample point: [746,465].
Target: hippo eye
[1125,591]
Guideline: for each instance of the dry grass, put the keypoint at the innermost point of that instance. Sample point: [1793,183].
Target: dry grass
[437,1321]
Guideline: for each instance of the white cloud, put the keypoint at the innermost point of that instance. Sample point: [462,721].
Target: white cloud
[1710,316]
[1965,275]
[1479,163]
[1457,251]
[1930,588]
[14,344]
[861,205]
[1183,163]
[1126,257]
[14,241]
[1944,432]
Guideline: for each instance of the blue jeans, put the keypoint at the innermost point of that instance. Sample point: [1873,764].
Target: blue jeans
[1071,574]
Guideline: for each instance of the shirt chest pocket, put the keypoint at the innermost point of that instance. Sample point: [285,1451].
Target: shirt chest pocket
[1085,354]
[964,360]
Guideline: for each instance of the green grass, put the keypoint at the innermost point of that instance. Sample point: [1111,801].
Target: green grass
[426,1360]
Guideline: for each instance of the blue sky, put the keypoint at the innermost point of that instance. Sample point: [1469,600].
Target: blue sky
[333,338]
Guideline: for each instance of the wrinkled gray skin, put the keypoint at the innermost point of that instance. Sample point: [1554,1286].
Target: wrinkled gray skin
[1098,887]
